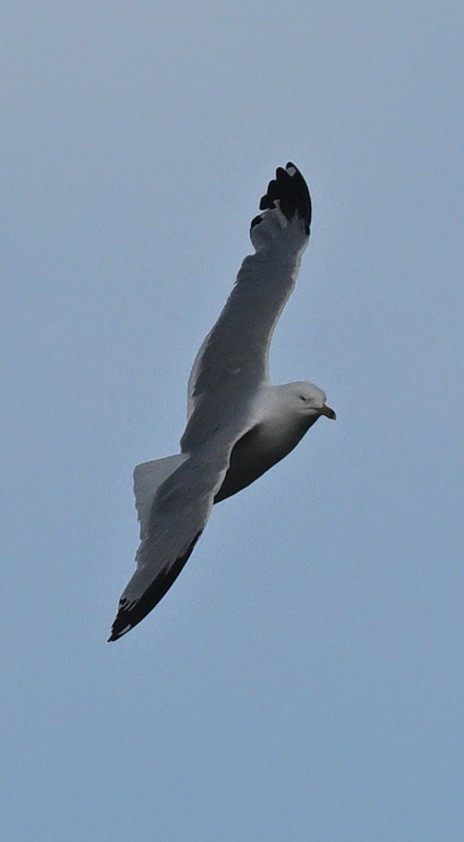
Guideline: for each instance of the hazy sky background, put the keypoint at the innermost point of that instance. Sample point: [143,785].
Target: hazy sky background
[303,679]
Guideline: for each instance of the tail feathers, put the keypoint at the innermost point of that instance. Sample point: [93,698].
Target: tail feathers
[148,477]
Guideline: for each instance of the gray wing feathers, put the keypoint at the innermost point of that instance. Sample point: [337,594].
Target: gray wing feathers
[179,511]
[238,344]
[234,356]
[178,515]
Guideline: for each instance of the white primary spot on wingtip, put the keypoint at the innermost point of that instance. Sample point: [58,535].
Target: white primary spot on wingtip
[125,629]
[291,170]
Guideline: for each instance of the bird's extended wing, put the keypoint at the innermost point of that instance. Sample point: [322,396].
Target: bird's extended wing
[234,356]
[176,520]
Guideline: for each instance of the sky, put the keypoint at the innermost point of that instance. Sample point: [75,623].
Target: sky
[303,679]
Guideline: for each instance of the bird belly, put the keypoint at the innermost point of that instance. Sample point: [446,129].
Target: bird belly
[257,451]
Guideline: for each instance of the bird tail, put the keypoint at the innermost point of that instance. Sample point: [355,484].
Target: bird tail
[148,478]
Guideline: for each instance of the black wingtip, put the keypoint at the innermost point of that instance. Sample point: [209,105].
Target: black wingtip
[291,191]
[121,623]
[130,614]
[114,637]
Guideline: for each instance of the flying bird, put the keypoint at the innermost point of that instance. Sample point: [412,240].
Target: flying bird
[239,425]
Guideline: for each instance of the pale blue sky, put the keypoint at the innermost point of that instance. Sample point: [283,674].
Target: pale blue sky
[303,679]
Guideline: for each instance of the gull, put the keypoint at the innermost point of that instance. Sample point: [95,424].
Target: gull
[238,425]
